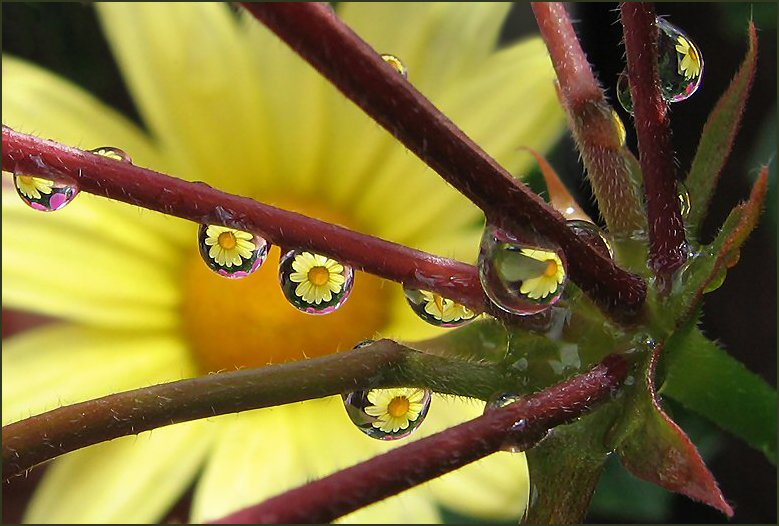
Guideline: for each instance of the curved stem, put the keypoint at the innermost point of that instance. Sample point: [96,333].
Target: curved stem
[199,202]
[523,423]
[315,32]
[384,363]
[667,243]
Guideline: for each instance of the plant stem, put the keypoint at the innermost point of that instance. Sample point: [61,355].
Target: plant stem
[384,363]
[316,33]
[667,243]
[523,423]
[593,124]
[199,202]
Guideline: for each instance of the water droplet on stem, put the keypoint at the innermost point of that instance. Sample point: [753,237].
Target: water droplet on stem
[313,283]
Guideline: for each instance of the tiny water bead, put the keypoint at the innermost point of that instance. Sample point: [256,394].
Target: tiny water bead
[395,62]
[388,414]
[593,235]
[313,283]
[437,310]
[229,252]
[518,278]
[112,153]
[44,194]
[680,67]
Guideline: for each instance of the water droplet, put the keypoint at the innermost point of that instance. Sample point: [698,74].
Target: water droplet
[623,92]
[313,283]
[592,235]
[229,252]
[519,278]
[396,63]
[363,343]
[679,61]
[112,153]
[437,310]
[44,194]
[680,66]
[684,198]
[388,414]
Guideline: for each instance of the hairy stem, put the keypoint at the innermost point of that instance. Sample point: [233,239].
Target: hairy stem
[594,125]
[316,33]
[384,363]
[667,243]
[199,202]
[523,423]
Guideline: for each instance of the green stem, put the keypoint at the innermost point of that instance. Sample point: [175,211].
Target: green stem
[384,363]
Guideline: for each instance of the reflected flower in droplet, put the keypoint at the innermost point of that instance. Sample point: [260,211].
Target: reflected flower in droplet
[228,246]
[318,277]
[549,281]
[33,187]
[395,409]
[690,63]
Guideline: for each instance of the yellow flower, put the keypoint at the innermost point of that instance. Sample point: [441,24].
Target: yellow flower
[445,309]
[319,277]
[395,409]
[33,187]
[228,245]
[549,281]
[227,103]
[690,63]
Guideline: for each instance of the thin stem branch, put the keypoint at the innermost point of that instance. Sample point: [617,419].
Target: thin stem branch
[593,124]
[384,363]
[199,202]
[523,423]
[667,243]
[316,33]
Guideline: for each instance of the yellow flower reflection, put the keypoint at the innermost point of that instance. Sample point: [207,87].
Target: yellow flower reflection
[690,62]
[444,309]
[226,103]
[395,409]
[319,277]
[549,281]
[228,245]
[33,187]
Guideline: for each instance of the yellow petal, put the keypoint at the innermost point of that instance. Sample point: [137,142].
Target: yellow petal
[293,94]
[134,479]
[254,457]
[496,487]
[84,265]
[198,99]
[37,101]
[57,365]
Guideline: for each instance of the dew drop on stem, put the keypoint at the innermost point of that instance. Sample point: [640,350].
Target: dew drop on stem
[388,414]
[437,310]
[313,283]
[229,252]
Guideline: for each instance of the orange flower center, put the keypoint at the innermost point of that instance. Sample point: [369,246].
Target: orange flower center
[318,276]
[551,268]
[226,240]
[398,406]
[247,322]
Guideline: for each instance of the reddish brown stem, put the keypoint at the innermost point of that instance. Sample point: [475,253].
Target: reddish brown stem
[574,74]
[199,202]
[667,243]
[316,33]
[524,422]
